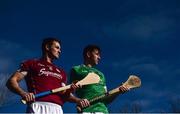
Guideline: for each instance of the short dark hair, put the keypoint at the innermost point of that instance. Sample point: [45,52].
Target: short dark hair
[49,41]
[90,48]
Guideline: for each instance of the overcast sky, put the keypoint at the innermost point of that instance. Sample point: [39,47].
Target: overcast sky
[136,37]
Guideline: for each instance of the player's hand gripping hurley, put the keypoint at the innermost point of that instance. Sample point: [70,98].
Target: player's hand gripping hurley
[132,82]
[91,78]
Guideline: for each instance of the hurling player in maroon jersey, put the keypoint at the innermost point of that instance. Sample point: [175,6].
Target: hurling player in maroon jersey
[42,75]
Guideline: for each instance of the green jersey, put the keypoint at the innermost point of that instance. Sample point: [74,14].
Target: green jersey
[90,91]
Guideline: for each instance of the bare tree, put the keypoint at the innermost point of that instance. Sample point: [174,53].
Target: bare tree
[175,105]
[124,108]
[3,90]
[134,107]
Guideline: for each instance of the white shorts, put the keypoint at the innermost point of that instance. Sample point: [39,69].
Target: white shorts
[44,108]
[92,113]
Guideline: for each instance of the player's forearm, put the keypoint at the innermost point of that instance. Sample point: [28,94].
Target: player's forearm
[13,85]
[110,98]
[73,99]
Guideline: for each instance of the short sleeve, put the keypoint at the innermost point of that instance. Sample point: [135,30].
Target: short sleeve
[25,66]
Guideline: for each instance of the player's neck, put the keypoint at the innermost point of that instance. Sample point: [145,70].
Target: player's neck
[47,59]
[88,64]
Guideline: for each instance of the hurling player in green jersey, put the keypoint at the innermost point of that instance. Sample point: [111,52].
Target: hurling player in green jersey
[91,55]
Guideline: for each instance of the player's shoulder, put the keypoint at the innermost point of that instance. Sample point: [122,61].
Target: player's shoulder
[30,61]
[76,67]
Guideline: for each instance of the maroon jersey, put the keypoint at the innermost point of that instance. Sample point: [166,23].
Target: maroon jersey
[43,76]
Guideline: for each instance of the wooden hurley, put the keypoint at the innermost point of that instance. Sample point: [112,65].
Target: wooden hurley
[132,82]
